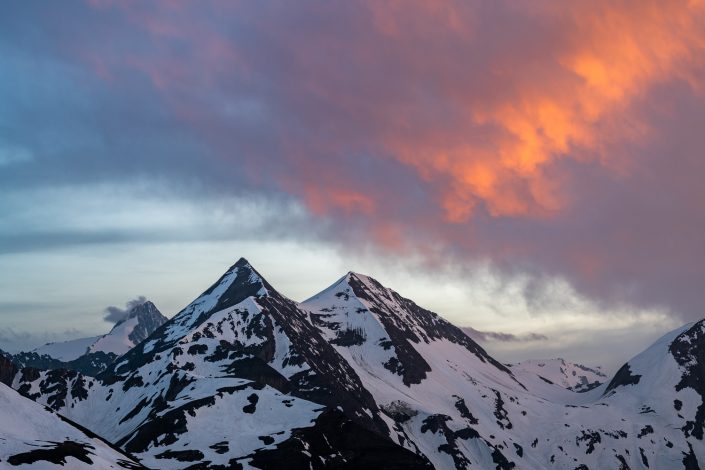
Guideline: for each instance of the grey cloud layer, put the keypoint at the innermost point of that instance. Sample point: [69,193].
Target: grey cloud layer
[503,337]
[307,104]
[116,314]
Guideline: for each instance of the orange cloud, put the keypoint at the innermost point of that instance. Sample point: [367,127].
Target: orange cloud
[557,136]
[605,56]
[480,100]
[323,202]
[487,100]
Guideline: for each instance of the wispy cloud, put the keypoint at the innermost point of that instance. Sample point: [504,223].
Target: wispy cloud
[503,337]
[114,314]
[12,340]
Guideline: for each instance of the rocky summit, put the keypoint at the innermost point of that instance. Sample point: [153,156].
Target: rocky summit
[357,376]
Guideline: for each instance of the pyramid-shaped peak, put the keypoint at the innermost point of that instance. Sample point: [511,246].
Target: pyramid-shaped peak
[143,307]
[353,274]
[147,315]
[365,282]
[241,269]
[141,321]
[242,277]
[351,284]
[237,284]
[242,263]
[140,307]
[353,277]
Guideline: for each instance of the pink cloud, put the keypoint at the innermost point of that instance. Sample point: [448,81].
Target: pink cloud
[529,133]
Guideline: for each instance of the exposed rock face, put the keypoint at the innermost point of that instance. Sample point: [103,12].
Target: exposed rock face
[688,349]
[34,437]
[623,377]
[90,364]
[359,376]
[149,318]
[240,375]
[570,375]
[91,356]
[8,368]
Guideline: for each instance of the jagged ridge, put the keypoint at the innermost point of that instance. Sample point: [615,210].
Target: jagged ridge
[245,376]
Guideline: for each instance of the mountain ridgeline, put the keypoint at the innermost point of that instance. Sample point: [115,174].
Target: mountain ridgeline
[91,356]
[358,376]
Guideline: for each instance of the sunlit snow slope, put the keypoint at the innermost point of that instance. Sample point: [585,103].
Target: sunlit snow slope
[360,377]
[32,436]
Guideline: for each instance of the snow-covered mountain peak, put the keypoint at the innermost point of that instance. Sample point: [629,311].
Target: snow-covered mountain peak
[242,275]
[359,277]
[360,288]
[245,376]
[144,310]
[357,311]
[238,284]
[93,355]
[141,321]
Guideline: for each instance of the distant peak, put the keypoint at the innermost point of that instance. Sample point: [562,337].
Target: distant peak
[145,312]
[146,306]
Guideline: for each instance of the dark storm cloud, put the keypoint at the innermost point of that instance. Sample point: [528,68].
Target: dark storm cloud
[535,135]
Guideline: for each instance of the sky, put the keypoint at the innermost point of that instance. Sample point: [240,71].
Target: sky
[530,169]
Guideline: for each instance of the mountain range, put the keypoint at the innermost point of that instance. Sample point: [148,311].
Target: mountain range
[357,376]
[92,355]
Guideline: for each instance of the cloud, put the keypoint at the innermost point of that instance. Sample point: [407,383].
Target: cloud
[116,314]
[13,340]
[57,217]
[550,139]
[9,335]
[11,155]
[503,337]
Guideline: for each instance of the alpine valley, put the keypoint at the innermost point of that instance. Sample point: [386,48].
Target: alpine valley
[354,377]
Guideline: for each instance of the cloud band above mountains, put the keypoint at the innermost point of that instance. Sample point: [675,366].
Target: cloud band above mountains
[478,335]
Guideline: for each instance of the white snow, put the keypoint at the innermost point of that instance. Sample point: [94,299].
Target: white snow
[569,375]
[28,426]
[117,341]
[462,396]
[67,350]
[546,420]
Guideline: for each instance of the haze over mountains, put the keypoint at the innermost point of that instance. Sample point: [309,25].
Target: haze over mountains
[93,355]
[354,377]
